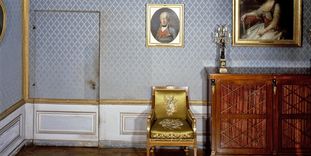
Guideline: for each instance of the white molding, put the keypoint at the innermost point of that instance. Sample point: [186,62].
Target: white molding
[203,117]
[121,144]
[129,115]
[59,122]
[9,132]
[113,131]
[64,115]
[12,131]
[19,147]
[29,119]
[68,143]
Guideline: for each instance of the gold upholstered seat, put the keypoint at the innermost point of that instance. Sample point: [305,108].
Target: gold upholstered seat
[171,122]
[171,129]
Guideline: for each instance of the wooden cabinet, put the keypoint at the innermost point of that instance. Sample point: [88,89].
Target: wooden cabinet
[293,115]
[265,114]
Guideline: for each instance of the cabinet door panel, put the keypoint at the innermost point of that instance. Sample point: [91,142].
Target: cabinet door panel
[294,106]
[243,99]
[244,112]
[243,133]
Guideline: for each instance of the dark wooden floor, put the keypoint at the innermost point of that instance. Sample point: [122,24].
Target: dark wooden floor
[75,151]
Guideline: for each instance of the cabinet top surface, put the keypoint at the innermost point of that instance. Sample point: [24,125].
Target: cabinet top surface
[260,70]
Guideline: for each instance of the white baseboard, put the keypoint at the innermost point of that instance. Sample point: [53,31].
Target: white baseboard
[131,144]
[68,143]
[20,146]
[121,144]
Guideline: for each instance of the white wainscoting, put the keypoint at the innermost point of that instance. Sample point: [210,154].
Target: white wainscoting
[66,122]
[29,130]
[12,129]
[54,123]
[125,125]
[91,125]
[129,126]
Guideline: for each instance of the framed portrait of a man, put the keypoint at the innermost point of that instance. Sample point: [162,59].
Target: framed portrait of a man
[2,19]
[267,22]
[165,25]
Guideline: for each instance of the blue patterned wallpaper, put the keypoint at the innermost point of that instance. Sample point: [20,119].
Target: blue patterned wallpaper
[128,69]
[64,70]
[10,57]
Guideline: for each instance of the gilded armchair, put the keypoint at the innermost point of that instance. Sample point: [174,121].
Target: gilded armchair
[171,122]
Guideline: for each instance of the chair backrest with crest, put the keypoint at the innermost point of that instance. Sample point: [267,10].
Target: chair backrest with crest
[170,102]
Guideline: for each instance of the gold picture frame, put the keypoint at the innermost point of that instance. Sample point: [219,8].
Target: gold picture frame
[2,20]
[165,25]
[263,23]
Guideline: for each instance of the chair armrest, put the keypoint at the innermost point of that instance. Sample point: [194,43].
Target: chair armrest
[150,121]
[192,121]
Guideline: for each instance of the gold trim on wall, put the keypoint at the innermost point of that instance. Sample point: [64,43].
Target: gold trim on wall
[20,103]
[11,109]
[125,101]
[25,49]
[63,101]
[102,101]
[142,102]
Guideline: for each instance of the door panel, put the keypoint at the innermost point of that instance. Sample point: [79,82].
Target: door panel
[64,55]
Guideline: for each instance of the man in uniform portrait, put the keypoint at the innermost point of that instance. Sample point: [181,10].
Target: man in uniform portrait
[165,33]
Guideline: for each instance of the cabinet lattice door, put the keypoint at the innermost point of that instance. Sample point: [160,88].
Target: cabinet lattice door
[244,120]
[295,116]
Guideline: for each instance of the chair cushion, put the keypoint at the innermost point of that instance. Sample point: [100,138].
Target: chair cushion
[170,104]
[171,129]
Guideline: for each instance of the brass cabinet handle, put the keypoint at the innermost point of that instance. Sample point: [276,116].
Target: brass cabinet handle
[274,86]
[213,84]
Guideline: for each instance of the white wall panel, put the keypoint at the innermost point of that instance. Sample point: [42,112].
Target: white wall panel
[12,132]
[110,122]
[66,122]
[29,120]
[133,123]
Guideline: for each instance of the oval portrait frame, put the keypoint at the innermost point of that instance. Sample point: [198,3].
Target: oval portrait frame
[3,22]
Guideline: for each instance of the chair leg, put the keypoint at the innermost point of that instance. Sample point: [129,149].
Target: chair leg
[195,150]
[186,149]
[148,151]
[152,150]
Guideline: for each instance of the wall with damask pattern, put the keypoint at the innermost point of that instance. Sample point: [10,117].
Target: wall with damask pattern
[128,68]
[11,56]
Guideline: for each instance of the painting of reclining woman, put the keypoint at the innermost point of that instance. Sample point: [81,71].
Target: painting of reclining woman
[267,20]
